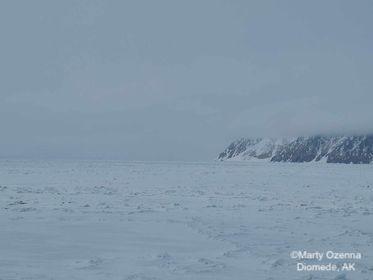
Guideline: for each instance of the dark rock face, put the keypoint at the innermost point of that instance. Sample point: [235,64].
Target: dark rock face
[358,149]
[304,149]
[332,149]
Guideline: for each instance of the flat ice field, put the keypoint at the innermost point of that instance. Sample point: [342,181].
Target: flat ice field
[149,221]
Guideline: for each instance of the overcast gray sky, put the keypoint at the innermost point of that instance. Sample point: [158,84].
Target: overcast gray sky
[178,80]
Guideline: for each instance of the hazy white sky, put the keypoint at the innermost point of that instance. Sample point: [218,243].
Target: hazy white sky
[178,80]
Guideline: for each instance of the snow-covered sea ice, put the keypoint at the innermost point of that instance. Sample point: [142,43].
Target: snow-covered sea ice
[219,220]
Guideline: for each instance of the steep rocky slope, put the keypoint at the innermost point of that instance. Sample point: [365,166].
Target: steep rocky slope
[331,149]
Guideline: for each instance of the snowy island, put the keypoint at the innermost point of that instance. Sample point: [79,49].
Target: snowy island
[330,149]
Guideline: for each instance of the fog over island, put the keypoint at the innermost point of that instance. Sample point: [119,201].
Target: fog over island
[178,80]
[163,140]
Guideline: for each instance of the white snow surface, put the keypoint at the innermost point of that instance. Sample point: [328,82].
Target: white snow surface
[149,221]
[263,150]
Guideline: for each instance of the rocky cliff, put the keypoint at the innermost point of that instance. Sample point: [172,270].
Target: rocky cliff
[331,149]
